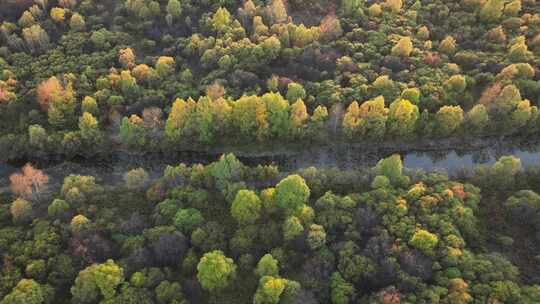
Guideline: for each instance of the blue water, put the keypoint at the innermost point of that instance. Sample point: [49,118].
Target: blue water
[452,162]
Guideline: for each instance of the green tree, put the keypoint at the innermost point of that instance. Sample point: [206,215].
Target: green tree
[386,87]
[317,124]
[165,66]
[167,292]
[316,236]
[351,6]
[301,36]
[271,47]
[477,118]
[204,119]
[343,292]
[37,136]
[354,267]
[57,208]
[277,11]
[492,10]
[133,131]
[402,118]
[215,271]
[227,170]
[79,188]
[267,266]
[391,167]
[505,101]
[306,214]
[270,290]
[335,212]
[79,223]
[36,38]
[380,181]
[522,114]
[246,207]
[456,84]
[136,179]
[519,52]
[448,119]
[250,117]
[368,120]
[89,127]
[20,210]
[278,114]
[100,39]
[36,269]
[292,192]
[292,227]
[58,100]
[77,23]
[27,291]
[89,105]
[98,281]
[221,20]
[295,91]
[411,94]
[26,20]
[425,241]
[187,220]
[174,8]
[503,171]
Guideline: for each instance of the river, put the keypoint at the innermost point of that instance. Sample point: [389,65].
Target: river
[343,157]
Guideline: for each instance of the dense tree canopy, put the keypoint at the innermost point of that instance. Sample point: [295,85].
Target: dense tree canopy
[215,71]
[103,100]
[230,232]
[215,271]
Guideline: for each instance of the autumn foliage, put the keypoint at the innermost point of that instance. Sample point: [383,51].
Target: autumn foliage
[29,182]
[47,90]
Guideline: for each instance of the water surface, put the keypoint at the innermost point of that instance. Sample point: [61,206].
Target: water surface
[341,157]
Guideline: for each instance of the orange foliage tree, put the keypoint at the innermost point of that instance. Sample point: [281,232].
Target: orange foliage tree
[28,183]
[47,90]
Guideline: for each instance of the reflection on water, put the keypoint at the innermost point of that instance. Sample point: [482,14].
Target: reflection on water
[453,162]
[342,157]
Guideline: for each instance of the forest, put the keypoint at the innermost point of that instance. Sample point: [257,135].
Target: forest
[94,81]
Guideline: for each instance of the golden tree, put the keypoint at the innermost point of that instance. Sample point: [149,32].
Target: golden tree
[403,47]
[127,58]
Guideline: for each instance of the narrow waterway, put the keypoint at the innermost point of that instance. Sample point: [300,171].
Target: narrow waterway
[342,157]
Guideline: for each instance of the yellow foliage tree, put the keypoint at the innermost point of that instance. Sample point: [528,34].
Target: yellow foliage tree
[58,14]
[403,47]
